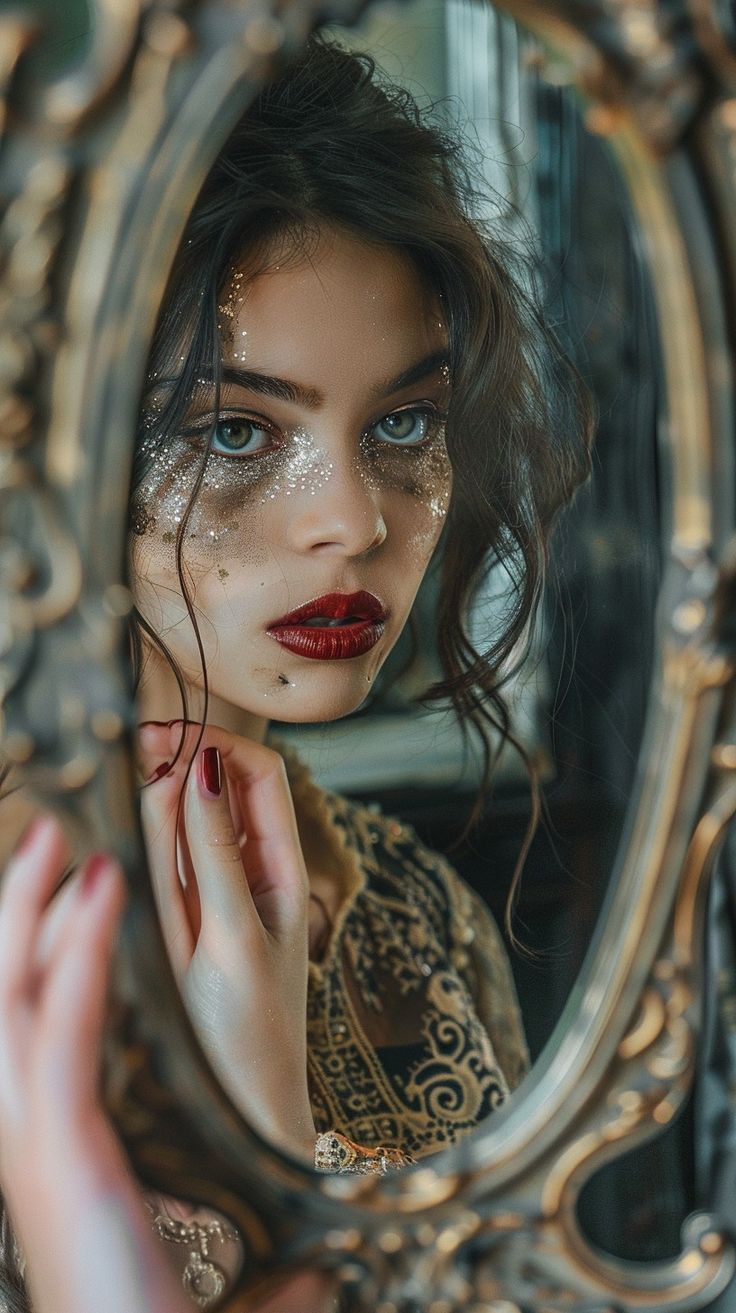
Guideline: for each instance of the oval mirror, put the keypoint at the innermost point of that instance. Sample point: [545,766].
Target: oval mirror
[381,381]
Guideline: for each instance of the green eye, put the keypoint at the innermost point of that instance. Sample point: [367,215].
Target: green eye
[238,435]
[405,427]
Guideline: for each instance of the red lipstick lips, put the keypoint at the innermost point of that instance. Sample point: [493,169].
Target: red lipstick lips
[334,627]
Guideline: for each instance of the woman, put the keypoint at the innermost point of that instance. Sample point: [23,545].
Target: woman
[344,370]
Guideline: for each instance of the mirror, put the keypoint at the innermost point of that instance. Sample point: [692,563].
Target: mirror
[580,714]
[580,718]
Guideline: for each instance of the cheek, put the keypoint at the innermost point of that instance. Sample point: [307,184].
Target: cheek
[159,504]
[225,518]
[227,545]
[424,488]
[234,502]
[217,570]
[226,595]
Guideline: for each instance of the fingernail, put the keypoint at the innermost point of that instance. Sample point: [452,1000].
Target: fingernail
[210,772]
[161,770]
[98,865]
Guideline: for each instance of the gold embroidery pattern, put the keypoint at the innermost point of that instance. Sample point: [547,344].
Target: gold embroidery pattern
[399,1052]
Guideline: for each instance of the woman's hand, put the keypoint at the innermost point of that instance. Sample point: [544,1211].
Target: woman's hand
[73,1203]
[232,893]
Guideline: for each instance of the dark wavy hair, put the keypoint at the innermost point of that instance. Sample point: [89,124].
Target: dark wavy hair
[330,143]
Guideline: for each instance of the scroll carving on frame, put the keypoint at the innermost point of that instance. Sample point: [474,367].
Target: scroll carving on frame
[98,169]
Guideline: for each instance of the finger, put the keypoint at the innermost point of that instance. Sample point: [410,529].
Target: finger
[187,875]
[30,878]
[52,925]
[153,750]
[75,990]
[159,760]
[215,851]
[166,745]
[160,807]
[273,858]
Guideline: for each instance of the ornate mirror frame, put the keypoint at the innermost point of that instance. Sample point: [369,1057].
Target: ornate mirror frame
[98,169]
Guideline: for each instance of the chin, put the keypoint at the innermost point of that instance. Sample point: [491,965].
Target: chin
[301,708]
[298,691]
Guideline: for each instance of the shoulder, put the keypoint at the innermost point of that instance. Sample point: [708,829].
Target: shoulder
[388,846]
[411,881]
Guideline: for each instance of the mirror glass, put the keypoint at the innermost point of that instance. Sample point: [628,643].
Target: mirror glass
[300,556]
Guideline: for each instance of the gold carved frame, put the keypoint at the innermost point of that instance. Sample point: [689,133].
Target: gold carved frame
[98,168]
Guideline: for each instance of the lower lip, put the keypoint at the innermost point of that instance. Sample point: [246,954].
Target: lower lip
[339,644]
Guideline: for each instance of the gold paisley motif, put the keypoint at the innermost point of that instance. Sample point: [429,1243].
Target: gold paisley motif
[413,1026]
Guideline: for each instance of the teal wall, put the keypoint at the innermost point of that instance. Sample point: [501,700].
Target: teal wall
[68,25]
[407,41]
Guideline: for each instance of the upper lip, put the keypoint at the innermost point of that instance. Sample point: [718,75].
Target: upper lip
[335,606]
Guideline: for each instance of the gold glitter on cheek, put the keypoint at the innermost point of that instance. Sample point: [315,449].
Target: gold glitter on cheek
[301,467]
[435,483]
[234,484]
[160,499]
[422,473]
[225,518]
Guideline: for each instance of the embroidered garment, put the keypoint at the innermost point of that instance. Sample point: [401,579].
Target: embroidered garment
[413,1027]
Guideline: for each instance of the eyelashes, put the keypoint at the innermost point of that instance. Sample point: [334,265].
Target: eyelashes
[237,434]
[244,435]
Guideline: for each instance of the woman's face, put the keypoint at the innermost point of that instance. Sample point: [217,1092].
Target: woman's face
[328,483]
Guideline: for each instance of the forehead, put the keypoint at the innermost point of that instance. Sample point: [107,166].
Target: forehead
[349,307]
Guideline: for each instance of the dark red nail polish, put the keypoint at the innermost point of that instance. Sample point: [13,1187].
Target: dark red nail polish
[210,772]
[163,769]
[95,868]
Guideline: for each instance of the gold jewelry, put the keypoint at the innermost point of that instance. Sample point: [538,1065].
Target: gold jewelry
[202,1278]
[334,1152]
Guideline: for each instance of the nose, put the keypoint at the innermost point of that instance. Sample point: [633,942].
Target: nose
[340,511]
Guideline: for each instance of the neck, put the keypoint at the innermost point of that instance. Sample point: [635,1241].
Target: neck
[158,698]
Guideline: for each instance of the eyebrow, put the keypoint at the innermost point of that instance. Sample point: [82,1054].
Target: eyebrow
[415,373]
[284,389]
[268,385]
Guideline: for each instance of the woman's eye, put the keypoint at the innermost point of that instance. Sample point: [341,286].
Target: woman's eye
[405,427]
[239,436]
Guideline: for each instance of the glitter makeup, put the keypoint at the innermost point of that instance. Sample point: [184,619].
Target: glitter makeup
[232,484]
[302,468]
[310,482]
[232,302]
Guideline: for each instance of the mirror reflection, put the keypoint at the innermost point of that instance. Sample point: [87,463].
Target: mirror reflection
[342,362]
[389,689]
[353,394]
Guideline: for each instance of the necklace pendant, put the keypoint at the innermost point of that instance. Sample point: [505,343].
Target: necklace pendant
[203,1280]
